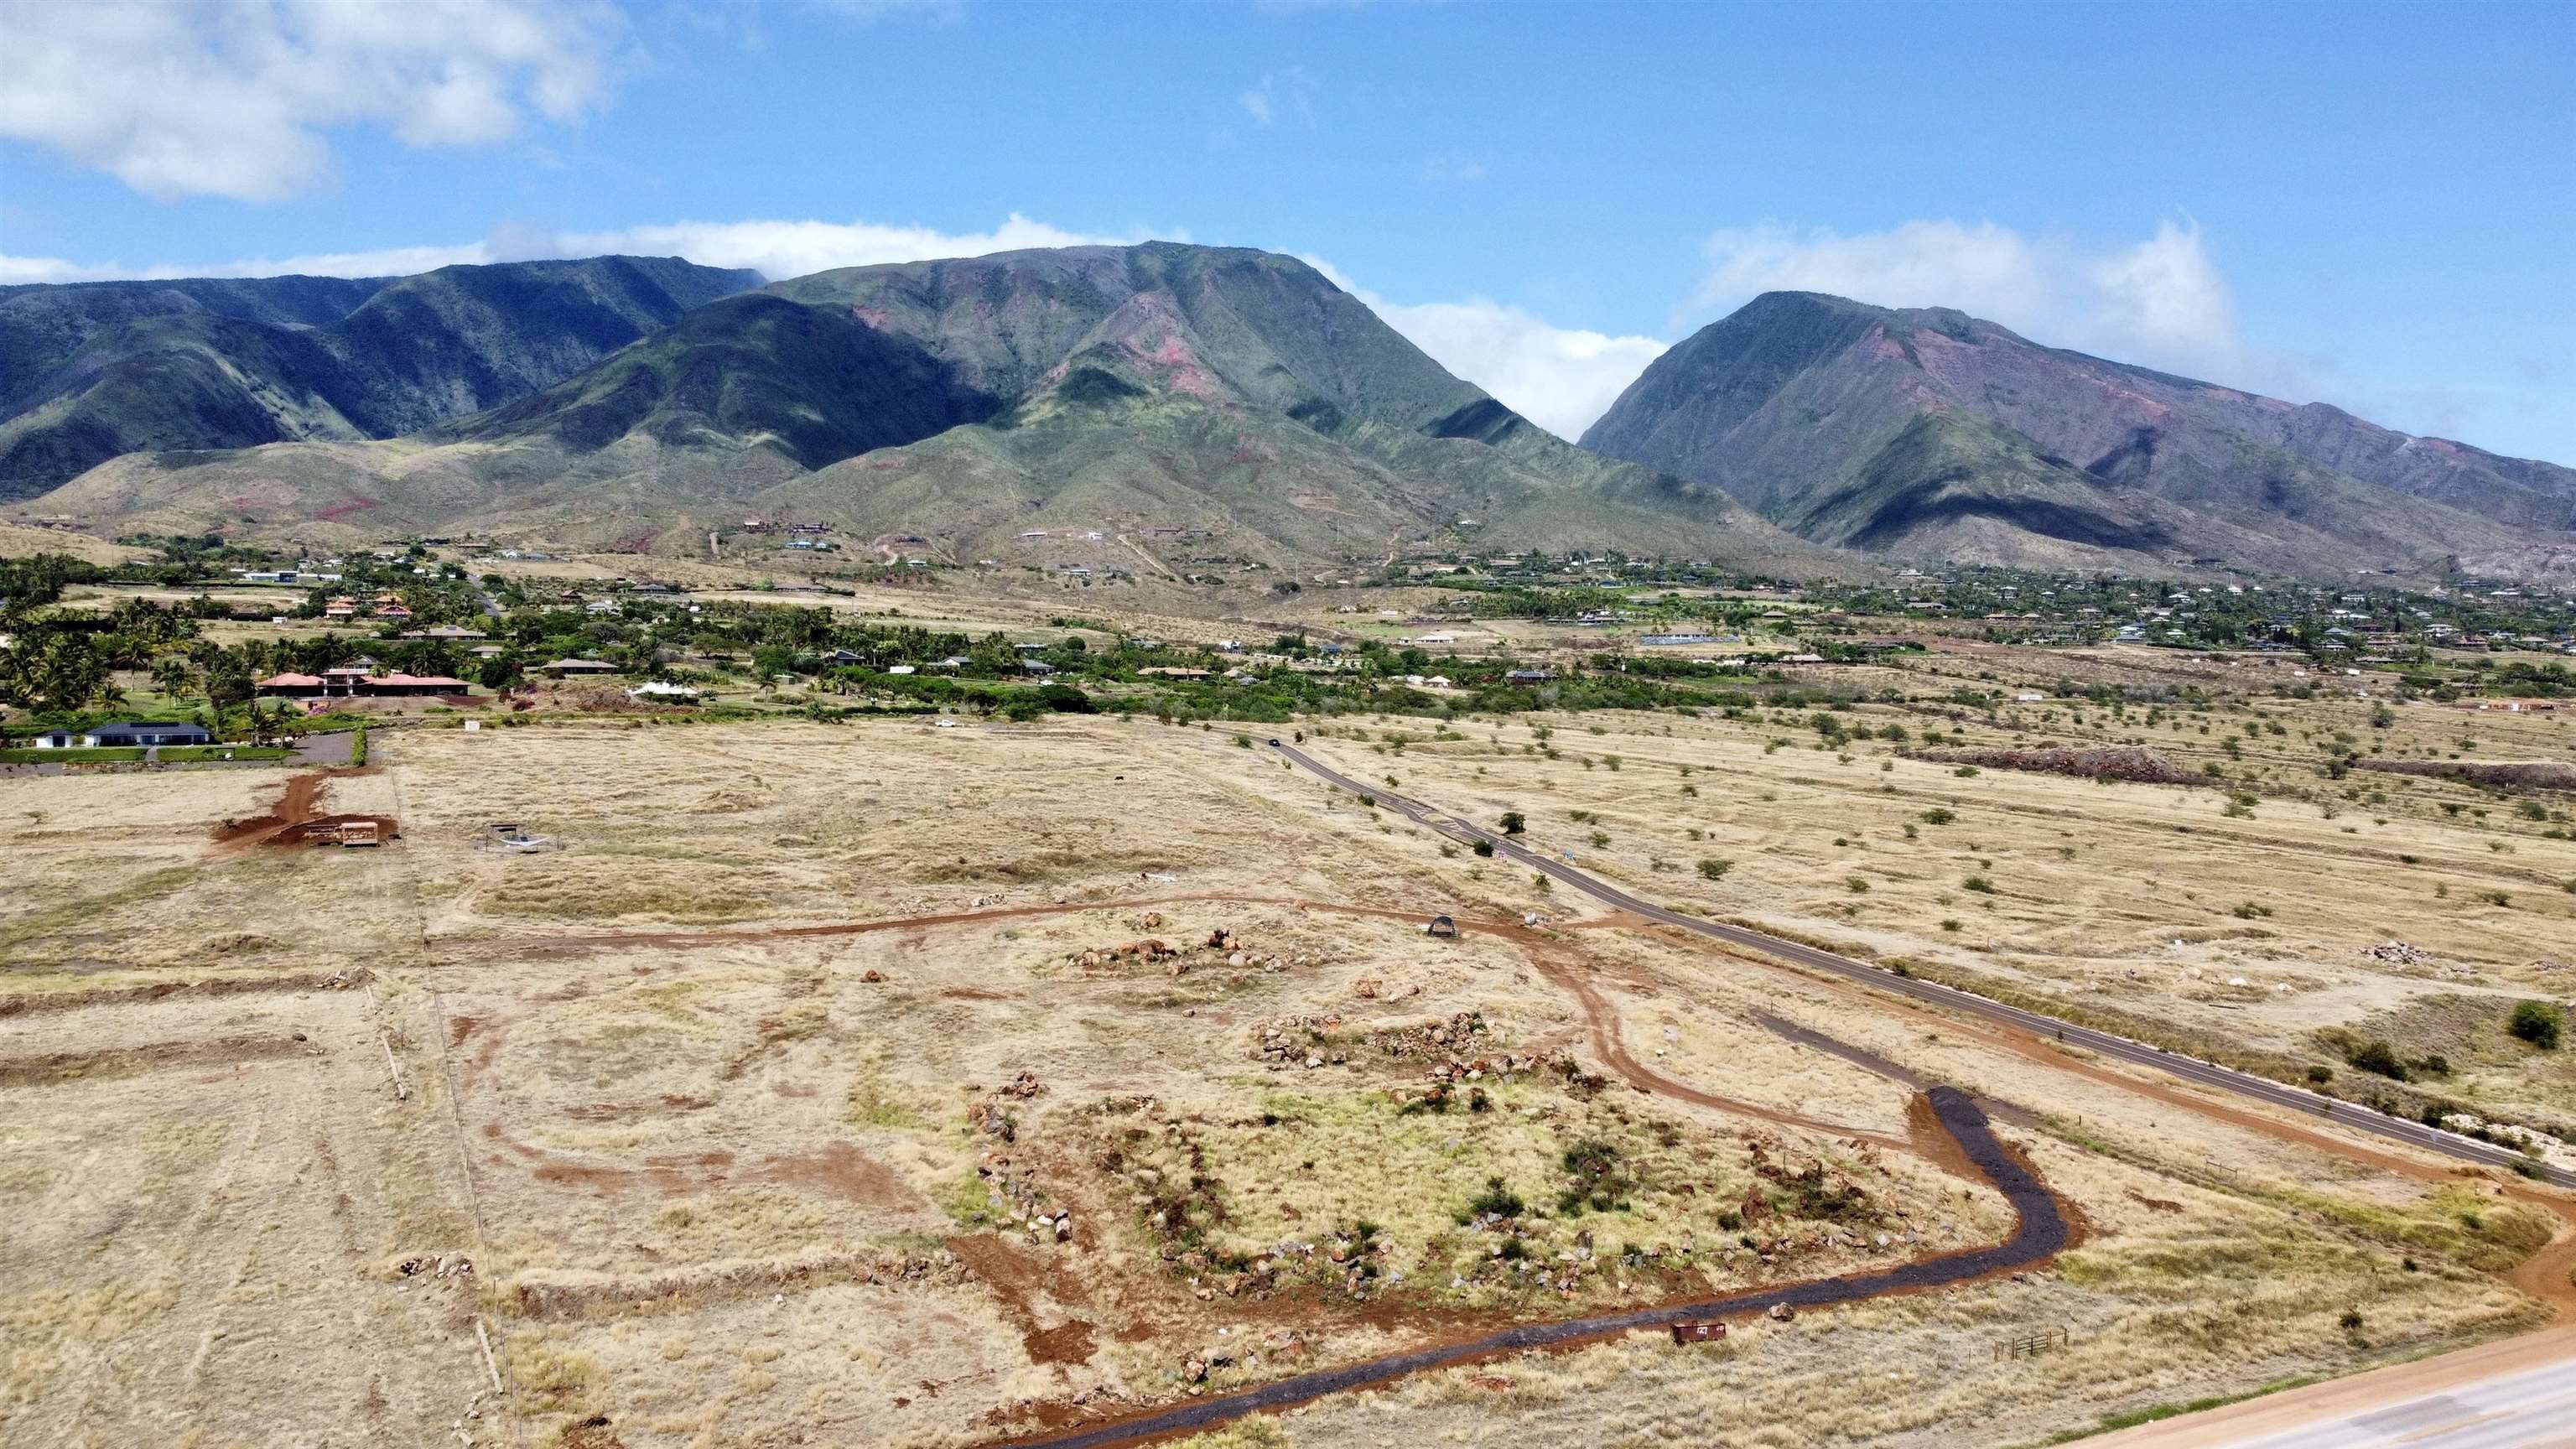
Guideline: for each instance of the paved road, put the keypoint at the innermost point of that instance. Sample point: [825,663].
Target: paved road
[2040,1233]
[2533,1408]
[2190,1069]
[2513,1392]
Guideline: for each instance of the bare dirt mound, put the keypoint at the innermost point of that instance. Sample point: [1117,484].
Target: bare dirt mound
[159,1056]
[1016,1277]
[221,986]
[294,821]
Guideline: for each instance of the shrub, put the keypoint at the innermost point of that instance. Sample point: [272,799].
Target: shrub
[1483,848]
[1857,885]
[1938,816]
[1979,884]
[2538,1023]
[1514,822]
[1716,869]
[2377,1057]
[1496,1199]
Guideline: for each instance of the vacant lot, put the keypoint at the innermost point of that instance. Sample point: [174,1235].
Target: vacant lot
[888,1084]
[2276,909]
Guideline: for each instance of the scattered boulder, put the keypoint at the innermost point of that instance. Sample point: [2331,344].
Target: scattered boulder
[436,1265]
[1780,1313]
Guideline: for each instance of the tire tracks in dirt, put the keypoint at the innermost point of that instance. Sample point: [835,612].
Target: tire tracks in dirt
[2043,1230]
[1946,1128]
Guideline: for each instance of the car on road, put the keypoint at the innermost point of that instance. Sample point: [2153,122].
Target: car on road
[1274,741]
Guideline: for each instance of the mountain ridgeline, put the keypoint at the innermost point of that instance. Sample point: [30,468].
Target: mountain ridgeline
[1935,436]
[95,370]
[1218,409]
[1235,401]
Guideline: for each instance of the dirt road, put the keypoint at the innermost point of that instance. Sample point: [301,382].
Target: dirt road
[2042,1232]
[2207,1074]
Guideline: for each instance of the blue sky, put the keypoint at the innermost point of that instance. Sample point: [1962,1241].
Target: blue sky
[2368,205]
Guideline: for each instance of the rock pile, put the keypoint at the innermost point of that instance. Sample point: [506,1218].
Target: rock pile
[1222,942]
[1017,1197]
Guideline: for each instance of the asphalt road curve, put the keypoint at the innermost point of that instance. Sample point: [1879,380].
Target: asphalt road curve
[2190,1069]
[2041,1235]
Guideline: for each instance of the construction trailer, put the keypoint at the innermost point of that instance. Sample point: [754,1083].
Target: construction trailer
[1706,1331]
[360,832]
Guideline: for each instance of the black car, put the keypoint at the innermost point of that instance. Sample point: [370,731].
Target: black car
[1274,740]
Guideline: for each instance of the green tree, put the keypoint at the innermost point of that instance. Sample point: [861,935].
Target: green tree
[1514,822]
[53,670]
[2538,1023]
[171,675]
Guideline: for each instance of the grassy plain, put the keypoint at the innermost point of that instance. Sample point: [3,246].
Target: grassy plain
[753,1104]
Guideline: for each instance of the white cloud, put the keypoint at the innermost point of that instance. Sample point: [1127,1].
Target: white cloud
[1281,94]
[1454,166]
[2161,301]
[776,249]
[232,97]
[1559,378]
[793,248]
[390,262]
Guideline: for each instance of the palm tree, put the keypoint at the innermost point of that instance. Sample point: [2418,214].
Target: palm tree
[170,675]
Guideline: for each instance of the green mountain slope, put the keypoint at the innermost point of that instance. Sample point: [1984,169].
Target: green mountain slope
[91,371]
[1935,435]
[1233,403]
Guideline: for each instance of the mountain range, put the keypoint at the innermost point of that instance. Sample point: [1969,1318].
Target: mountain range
[1933,435]
[94,370]
[1211,408]
[1234,402]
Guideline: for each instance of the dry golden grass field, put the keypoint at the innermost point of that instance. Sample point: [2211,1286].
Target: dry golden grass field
[882,1084]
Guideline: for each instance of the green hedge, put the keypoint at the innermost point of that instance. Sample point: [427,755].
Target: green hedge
[78,755]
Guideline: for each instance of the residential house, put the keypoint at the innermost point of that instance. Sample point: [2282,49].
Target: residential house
[116,735]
